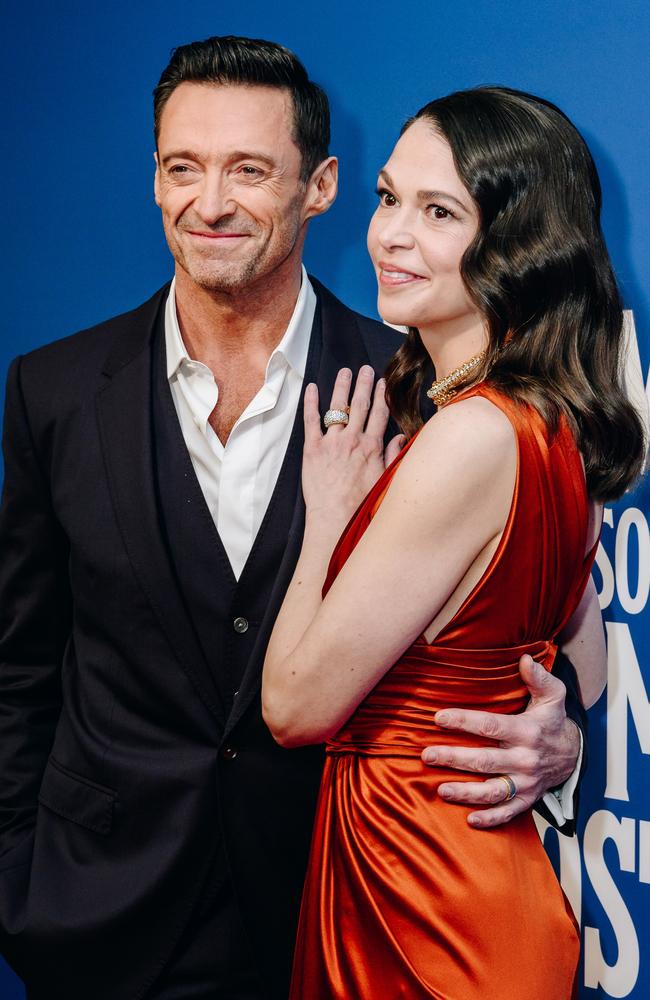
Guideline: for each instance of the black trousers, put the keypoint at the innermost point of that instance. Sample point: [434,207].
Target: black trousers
[212,960]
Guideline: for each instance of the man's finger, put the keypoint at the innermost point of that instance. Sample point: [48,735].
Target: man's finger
[485,819]
[491,792]
[497,727]
[481,760]
[543,686]
[484,760]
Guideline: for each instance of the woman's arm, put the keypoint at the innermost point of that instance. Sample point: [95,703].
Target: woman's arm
[448,500]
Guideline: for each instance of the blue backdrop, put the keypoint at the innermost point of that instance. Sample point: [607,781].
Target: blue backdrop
[83,241]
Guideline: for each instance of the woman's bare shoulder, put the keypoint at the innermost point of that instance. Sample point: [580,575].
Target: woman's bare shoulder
[472,427]
[464,455]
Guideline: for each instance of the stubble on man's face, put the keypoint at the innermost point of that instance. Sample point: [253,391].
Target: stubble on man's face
[228,184]
[216,272]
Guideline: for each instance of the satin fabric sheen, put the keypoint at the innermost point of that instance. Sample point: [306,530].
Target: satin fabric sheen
[402,898]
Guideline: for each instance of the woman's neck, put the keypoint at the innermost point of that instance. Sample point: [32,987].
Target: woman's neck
[451,344]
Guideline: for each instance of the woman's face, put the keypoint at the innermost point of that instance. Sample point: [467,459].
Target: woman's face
[423,224]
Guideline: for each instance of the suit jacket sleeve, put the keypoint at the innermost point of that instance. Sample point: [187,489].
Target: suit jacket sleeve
[34,622]
[565,671]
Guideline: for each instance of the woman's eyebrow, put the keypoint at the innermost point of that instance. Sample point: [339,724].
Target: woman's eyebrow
[429,195]
[425,195]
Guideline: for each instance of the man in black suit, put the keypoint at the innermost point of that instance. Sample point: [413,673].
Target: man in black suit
[153,837]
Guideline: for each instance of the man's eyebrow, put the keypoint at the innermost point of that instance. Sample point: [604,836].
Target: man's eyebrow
[180,154]
[237,155]
[426,195]
[252,154]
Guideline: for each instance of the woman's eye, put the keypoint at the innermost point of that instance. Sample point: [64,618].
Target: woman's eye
[386,198]
[438,212]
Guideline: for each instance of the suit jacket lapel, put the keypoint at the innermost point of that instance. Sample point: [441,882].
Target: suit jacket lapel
[124,412]
[343,345]
[335,343]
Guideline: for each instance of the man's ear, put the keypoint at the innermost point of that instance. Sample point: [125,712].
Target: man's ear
[322,187]
[156,180]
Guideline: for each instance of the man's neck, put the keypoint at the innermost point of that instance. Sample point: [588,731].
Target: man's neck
[240,327]
[235,334]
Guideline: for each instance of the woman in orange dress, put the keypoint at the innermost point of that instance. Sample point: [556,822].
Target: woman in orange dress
[471,548]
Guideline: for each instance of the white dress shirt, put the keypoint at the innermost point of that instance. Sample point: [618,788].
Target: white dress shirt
[238,478]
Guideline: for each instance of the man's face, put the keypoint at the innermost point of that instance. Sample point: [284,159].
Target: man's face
[228,183]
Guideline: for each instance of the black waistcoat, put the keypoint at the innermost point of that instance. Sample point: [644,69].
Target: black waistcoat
[226,613]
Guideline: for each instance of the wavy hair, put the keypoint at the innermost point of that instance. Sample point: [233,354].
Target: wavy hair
[539,271]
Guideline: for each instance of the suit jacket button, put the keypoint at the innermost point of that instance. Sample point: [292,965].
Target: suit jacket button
[228,753]
[240,625]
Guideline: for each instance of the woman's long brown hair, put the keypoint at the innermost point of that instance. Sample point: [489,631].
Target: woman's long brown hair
[539,271]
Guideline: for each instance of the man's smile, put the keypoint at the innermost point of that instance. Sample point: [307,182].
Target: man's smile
[217,236]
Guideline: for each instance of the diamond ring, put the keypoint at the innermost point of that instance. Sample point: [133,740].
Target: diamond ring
[333,417]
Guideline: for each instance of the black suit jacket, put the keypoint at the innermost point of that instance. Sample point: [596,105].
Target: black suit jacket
[120,765]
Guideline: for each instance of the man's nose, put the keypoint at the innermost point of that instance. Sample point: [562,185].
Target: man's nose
[214,200]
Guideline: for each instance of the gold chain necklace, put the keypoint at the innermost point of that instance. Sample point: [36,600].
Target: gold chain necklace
[444,389]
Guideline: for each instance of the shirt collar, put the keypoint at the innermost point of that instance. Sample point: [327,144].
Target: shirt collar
[293,347]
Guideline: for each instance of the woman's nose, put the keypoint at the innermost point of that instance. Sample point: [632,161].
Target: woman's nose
[395,232]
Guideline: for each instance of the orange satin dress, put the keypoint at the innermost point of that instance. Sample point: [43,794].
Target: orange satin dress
[402,898]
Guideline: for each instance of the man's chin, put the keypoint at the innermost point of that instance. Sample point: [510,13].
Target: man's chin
[224,280]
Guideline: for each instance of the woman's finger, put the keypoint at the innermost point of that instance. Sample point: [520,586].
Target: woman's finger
[340,396]
[393,449]
[361,399]
[313,432]
[378,416]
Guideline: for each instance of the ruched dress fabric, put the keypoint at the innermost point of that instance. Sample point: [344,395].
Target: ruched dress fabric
[403,899]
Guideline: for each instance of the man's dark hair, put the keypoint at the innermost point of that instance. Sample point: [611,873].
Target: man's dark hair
[229,59]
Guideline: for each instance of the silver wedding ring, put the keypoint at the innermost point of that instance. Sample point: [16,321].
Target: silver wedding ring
[333,417]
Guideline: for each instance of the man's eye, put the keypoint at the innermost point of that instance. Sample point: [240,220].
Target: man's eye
[249,171]
[386,198]
[178,169]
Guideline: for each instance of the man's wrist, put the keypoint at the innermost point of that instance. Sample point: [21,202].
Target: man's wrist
[558,789]
[559,800]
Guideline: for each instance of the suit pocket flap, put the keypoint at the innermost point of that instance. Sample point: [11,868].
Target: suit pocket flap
[76,798]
